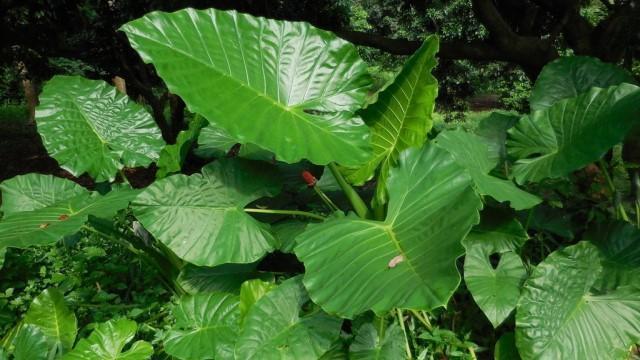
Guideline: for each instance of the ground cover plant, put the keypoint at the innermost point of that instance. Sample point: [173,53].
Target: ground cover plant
[331,221]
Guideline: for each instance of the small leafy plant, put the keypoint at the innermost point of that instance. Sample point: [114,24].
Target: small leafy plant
[269,262]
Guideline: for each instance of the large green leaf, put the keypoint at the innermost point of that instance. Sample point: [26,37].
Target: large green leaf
[30,344]
[492,128]
[206,327]
[215,142]
[401,117]
[50,221]
[567,311]
[203,220]
[407,260]
[50,314]
[276,329]
[89,126]
[250,292]
[35,191]
[570,76]
[505,348]
[573,132]
[108,340]
[473,154]
[368,343]
[172,156]
[267,82]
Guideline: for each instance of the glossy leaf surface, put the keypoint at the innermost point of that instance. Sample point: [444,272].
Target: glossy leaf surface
[408,260]
[50,314]
[48,224]
[35,191]
[203,220]
[89,126]
[572,133]
[224,278]
[206,327]
[567,312]
[401,116]
[276,328]
[570,76]
[108,340]
[30,344]
[301,83]
[474,155]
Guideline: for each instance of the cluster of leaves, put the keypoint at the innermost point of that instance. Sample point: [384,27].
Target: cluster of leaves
[264,266]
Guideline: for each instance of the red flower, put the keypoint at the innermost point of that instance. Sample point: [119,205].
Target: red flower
[309,178]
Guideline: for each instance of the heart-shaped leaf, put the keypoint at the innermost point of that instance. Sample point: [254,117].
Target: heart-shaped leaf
[47,221]
[408,260]
[206,327]
[401,117]
[370,344]
[572,133]
[50,314]
[247,74]
[473,154]
[570,76]
[30,344]
[203,220]
[89,126]
[573,308]
[108,340]
[276,328]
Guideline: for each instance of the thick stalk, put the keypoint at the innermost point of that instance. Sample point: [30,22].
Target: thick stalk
[404,331]
[356,201]
[621,213]
[286,212]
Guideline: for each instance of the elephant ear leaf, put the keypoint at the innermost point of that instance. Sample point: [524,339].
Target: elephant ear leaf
[89,126]
[247,74]
[206,327]
[401,116]
[582,301]
[275,327]
[41,209]
[370,344]
[571,76]
[203,221]
[570,134]
[409,259]
[30,344]
[50,314]
[473,154]
[108,340]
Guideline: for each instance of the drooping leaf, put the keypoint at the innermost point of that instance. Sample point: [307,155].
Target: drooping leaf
[567,311]
[369,345]
[571,76]
[498,231]
[505,348]
[492,128]
[35,191]
[206,327]
[50,314]
[47,224]
[276,328]
[472,153]
[30,344]
[172,156]
[203,220]
[408,260]
[250,292]
[401,116]
[572,133]
[107,342]
[223,278]
[89,126]
[266,82]
[495,290]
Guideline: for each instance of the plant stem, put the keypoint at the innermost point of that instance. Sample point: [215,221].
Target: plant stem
[286,212]
[423,319]
[124,178]
[356,201]
[404,331]
[614,193]
[332,206]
